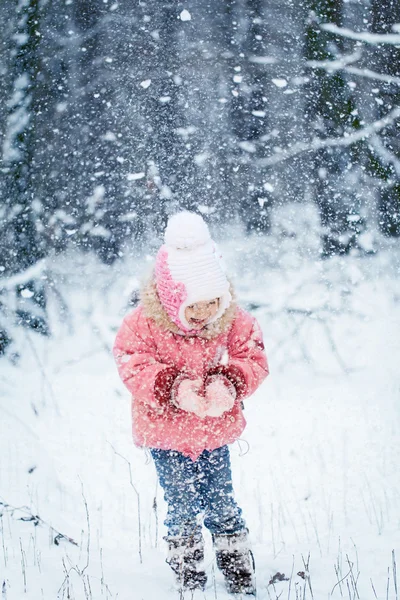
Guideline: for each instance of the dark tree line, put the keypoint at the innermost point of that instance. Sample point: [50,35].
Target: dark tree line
[114,114]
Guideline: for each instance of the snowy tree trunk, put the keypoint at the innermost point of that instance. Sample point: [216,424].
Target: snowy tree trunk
[21,247]
[385,14]
[267,106]
[163,104]
[203,96]
[247,101]
[93,174]
[332,113]
[22,239]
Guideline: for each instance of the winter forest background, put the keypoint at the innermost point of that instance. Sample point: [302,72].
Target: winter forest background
[279,121]
[114,114]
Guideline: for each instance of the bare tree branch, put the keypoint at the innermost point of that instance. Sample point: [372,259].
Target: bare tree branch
[363,36]
[138,501]
[385,154]
[27,515]
[372,75]
[343,64]
[319,143]
[335,65]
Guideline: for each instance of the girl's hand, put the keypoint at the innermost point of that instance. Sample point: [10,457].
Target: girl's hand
[188,397]
[220,396]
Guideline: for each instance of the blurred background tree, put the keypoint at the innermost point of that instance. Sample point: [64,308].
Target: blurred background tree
[114,115]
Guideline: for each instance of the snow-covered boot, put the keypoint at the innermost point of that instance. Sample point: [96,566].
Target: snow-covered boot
[236,561]
[186,559]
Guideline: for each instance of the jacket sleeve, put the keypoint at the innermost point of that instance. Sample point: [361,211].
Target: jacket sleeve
[247,366]
[149,380]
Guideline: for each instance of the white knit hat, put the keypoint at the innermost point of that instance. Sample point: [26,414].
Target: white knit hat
[189,268]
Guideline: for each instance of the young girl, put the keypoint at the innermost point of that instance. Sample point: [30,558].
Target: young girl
[189,356]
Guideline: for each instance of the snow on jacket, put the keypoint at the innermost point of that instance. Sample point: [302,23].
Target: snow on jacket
[151,353]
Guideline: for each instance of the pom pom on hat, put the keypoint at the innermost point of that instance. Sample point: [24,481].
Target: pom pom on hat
[186,230]
[188,268]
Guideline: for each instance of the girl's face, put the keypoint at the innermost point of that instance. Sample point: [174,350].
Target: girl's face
[198,314]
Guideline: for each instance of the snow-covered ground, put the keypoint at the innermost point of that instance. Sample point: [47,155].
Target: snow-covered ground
[317,471]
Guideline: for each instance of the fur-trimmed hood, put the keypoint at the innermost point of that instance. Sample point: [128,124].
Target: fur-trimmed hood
[154,310]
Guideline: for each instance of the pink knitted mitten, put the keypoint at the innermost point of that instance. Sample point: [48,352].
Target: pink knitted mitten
[187,397]
[220,396]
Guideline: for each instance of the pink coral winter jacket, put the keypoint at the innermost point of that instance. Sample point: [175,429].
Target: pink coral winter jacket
[150,352]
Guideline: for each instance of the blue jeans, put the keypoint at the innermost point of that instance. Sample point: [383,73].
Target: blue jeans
[194,488]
